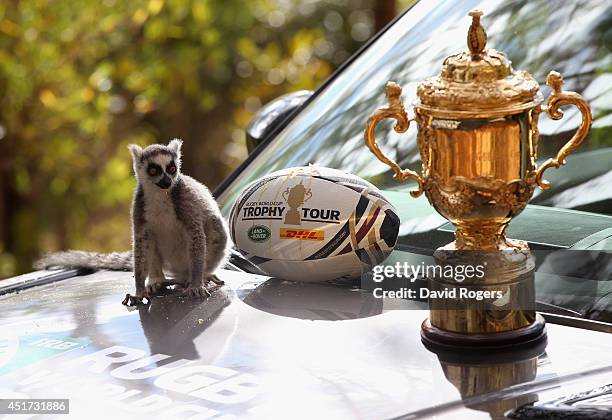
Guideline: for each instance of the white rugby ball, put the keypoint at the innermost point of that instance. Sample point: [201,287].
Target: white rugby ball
[313,224]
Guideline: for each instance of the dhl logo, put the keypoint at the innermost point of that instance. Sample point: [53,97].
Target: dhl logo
[302,234]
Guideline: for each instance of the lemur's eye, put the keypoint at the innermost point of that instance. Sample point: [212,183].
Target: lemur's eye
[171,169]
[153,170]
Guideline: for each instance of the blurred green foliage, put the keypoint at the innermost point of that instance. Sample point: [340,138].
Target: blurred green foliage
[80,79]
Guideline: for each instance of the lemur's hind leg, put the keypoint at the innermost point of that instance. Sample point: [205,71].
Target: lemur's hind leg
[197,256]
[216,250]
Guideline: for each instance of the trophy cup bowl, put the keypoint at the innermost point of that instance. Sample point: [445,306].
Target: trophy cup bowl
[478,139]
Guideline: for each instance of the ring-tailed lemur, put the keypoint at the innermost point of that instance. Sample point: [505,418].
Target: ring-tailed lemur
[177,227]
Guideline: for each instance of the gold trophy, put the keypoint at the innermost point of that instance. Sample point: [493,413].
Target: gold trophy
[478,137]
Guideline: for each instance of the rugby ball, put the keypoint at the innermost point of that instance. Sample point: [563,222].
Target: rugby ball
[313,224]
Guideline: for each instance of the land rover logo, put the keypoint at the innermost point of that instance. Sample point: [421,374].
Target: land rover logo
[259,233]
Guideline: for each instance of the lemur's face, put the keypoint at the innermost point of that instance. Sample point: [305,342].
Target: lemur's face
[161,170]
[157,164]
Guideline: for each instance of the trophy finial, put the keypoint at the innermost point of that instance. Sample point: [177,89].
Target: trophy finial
[477,37]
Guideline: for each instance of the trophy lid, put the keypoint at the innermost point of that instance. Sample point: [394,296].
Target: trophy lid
[478,81]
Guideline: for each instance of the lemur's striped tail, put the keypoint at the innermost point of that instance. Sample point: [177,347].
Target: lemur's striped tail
[118,261]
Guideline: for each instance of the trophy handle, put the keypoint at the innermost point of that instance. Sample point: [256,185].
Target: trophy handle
[394,110]
[557,98]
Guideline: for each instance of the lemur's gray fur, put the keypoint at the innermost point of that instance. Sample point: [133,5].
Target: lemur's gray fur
[177,228]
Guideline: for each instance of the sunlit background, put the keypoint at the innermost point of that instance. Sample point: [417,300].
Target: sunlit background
[81,79]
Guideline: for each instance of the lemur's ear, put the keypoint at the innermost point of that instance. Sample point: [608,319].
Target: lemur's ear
[136,152]
[175,146]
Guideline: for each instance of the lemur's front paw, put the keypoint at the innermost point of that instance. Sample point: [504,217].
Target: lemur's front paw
[214,279]
[197,292]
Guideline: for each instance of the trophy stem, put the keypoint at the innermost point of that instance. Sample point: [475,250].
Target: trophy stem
[484,235]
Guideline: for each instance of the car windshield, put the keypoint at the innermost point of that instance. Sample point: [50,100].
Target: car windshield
[572,38]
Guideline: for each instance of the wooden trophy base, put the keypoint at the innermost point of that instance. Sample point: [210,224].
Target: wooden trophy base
[531,335]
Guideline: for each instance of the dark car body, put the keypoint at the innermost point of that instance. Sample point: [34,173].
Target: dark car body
[265,348]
